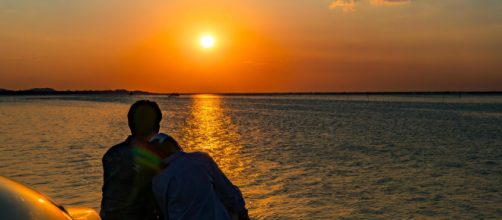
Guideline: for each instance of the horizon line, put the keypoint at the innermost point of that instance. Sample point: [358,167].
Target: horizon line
[49,91]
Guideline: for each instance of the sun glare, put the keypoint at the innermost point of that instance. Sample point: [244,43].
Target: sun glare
[207,41]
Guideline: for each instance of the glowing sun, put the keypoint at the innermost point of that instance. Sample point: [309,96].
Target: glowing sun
[207,41]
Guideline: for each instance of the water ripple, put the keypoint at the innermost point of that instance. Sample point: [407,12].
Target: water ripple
[295,157]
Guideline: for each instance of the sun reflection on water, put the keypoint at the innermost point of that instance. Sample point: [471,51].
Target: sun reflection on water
[210,130]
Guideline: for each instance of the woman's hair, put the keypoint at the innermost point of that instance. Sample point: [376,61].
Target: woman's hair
[173,142]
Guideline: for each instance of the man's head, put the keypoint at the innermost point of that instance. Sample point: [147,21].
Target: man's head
[144,118]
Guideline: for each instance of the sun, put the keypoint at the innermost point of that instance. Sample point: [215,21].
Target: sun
[207,41]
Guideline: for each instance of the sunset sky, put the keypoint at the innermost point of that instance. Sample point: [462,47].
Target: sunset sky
[259,45]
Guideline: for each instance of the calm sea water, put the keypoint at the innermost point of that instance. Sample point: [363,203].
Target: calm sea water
[294,157]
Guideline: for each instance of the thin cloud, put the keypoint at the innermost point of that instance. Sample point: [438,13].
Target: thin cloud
[351,5]
[389,2]
[254,63]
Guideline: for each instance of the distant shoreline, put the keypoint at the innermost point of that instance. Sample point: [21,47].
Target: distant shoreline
[121,92]
[367,93]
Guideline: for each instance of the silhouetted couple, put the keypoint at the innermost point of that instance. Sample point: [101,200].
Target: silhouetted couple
[148,176]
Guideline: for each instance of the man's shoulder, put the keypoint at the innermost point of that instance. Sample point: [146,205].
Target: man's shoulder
[118,150]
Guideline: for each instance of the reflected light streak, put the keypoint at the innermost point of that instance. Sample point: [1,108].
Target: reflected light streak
[210,130]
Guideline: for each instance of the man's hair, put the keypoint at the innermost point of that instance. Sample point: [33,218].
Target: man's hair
[140,122]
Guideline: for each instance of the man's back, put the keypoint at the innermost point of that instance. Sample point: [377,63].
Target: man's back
[193,187]
[126,189]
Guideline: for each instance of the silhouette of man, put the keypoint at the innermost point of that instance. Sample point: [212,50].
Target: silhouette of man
[192,186]
[130,166]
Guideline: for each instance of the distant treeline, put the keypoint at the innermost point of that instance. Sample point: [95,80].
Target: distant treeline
[371,93]
[50,91]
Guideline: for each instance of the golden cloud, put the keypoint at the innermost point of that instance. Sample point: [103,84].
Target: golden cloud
[345,5]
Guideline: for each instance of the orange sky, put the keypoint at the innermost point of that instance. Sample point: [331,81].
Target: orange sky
[261,46]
